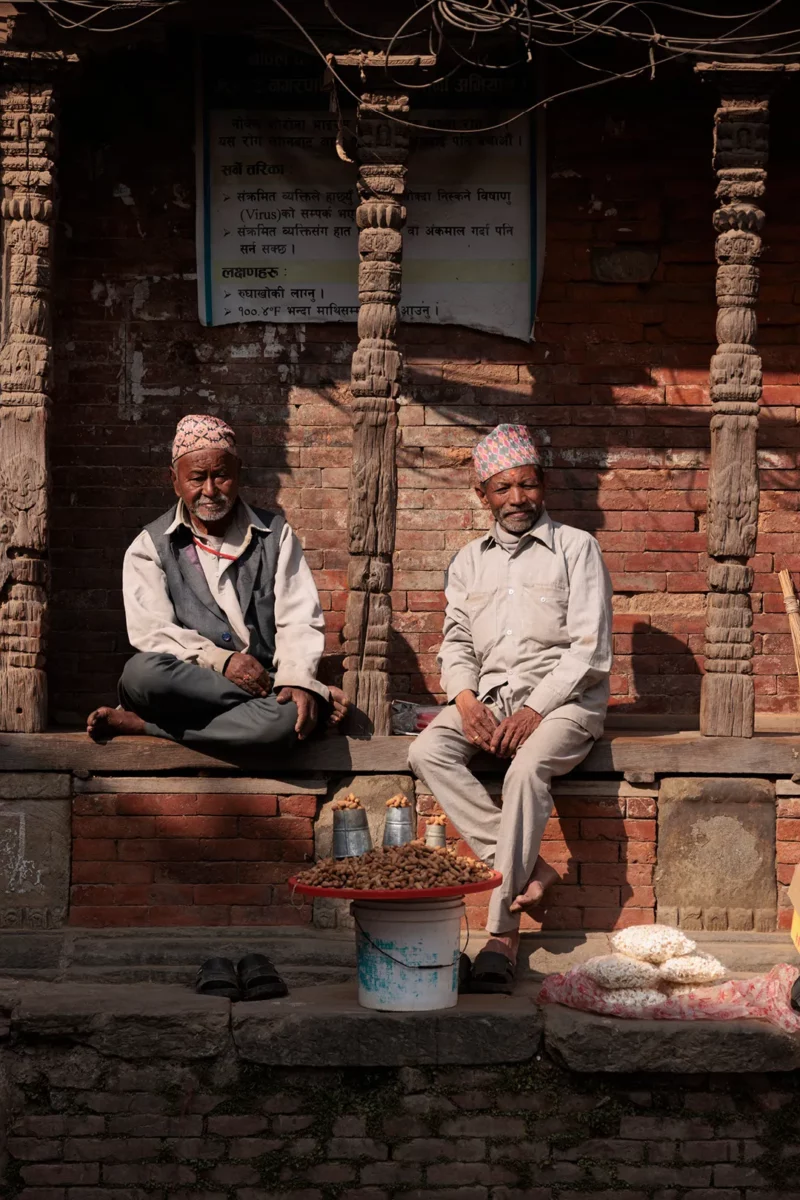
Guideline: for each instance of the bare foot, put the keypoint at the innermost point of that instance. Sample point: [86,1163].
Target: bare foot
[543,877]
[504,943]
[341,706]
[112,722]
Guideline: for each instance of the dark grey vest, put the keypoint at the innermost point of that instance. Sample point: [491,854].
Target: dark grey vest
[253,574]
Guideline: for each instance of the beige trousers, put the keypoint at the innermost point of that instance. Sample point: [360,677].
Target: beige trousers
[507,838]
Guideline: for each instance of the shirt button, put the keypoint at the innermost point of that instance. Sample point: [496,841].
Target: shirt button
[511,591]
[508,631]
[226,637]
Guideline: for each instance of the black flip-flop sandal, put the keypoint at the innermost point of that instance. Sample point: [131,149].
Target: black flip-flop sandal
[217,977]
[464,973]
[493,974]
[259,979]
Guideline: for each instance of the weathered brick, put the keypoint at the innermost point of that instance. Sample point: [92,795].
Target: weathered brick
[55,1174]
[432,1149]
[357,1147]
[484,1126]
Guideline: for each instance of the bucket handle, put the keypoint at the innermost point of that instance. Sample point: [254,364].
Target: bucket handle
[413,966]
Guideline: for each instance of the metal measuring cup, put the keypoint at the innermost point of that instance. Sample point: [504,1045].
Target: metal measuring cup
[351,835]
[399,827]
[435,835]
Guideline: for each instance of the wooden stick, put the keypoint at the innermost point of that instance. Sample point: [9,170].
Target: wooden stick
[793,610]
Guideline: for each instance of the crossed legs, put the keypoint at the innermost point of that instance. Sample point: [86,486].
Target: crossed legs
[166,697]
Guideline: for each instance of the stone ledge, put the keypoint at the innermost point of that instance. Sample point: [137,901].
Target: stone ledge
[324,1026]
[122,1022]
[587,1042]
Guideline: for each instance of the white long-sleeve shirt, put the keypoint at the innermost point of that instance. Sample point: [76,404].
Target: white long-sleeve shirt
[299,623]
[537,616]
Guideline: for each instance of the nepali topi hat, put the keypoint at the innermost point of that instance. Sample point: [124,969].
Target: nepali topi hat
[505,447]
[199,431]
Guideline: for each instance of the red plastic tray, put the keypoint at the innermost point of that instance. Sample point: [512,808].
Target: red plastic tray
[438,893]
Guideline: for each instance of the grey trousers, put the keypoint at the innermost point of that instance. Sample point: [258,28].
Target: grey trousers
[507,838]
[186,703]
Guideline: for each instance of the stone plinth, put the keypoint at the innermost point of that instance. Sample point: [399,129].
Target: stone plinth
[716,854]
[34,850]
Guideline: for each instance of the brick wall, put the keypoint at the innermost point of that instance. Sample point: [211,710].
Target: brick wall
[603,844]
[183,859]
[615,384]
[88,1127]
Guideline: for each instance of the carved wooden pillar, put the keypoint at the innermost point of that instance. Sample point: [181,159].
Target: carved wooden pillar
[27,151]
[727,706]
[376,374]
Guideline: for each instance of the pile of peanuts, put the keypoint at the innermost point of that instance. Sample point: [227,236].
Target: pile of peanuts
[439,819]
[398,801]
[412,866]
[351,801]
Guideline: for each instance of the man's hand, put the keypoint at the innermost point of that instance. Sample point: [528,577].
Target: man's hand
[306,709]
[478,721]
[511,733]
[247,673]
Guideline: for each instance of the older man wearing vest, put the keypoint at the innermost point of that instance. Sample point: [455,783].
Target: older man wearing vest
[525,662]
[222,607]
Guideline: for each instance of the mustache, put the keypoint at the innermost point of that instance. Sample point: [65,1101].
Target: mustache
[220,504]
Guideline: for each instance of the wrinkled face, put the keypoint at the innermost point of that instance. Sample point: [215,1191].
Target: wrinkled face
[515,498]
[208,483]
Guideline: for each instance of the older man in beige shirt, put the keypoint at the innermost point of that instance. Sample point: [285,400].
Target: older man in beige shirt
[525,660]
[222,607]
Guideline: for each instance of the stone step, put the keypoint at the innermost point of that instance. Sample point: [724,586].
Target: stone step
[306,956]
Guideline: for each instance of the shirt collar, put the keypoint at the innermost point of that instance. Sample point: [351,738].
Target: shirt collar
[247,516]
[542,531]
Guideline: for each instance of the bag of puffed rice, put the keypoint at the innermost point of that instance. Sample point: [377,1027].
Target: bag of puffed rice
[635,998]
[619,971]
[682,989]
[692,968]
[653,943]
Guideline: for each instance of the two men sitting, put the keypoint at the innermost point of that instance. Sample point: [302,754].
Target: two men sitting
[222,607]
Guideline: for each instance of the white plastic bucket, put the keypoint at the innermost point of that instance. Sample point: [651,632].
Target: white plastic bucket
[399,944]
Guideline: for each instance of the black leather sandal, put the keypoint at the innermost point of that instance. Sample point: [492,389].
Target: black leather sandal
[259,980]
[464,974]
[493,974]
[217,977]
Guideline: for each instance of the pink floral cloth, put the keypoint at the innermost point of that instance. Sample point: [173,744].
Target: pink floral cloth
[199,431]
[505,447]
[762,998]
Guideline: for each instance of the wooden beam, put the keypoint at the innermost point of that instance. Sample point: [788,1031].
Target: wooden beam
[27,151]
[614,754]
[376,59]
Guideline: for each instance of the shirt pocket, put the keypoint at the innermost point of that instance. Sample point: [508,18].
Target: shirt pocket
[482,612]
[545,614]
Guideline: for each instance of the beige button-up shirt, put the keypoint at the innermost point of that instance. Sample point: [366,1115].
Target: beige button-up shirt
[299,623]
[535,617]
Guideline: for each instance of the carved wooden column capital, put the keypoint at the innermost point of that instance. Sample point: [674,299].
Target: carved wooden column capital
[375,384]
[741,135]
[27,168]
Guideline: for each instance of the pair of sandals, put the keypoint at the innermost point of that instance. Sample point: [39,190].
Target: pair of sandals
[253,978]
[491,974]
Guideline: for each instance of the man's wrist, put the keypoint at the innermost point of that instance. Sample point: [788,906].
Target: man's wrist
[465,697]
